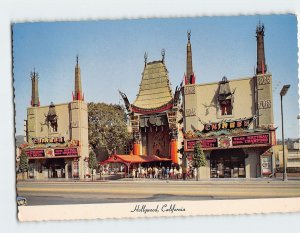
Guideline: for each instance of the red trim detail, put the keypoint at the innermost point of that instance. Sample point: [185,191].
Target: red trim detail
[190,80]
[150,111]
[133,159]
[185,80]
[55,157]
[193,79]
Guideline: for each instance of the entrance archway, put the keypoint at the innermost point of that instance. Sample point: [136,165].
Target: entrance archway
[55,167]
[229,163]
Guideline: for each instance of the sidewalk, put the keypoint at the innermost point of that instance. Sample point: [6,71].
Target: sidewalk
[219,181]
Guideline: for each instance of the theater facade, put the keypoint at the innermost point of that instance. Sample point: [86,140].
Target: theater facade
[154,114]
[232,119]
[57,135]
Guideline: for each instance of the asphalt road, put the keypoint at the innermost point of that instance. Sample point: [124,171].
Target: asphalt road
[58,193]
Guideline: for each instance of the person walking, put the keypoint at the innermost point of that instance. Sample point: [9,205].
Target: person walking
[167,173]
[150,172]
[171,175]
[180,173]
[184,172]
[163,172]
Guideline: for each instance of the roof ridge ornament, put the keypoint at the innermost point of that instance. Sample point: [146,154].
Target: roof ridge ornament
[189,35]
[163,53]
[145,58]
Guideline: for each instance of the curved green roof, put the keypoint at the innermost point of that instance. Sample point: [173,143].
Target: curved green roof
[155,90]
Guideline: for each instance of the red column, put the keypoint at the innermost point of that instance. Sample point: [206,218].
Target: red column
[136,148]
[173,151]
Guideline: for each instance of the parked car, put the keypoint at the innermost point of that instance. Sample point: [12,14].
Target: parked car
[21,201]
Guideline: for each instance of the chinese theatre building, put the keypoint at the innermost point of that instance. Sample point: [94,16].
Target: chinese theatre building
[154,113]
[57,135]
[232,120]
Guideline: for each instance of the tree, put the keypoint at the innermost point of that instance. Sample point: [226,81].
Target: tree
[199,159]
[92,162]
[107,128]
[23,166]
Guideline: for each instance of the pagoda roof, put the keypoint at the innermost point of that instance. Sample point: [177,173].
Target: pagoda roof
[155,91]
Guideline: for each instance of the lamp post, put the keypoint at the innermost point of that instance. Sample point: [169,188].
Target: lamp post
[283,92]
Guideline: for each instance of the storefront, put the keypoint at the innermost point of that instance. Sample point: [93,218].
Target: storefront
[57,135]
[242,156]
[55,162]
[227,164]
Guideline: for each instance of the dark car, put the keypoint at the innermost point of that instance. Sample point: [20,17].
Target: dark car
[21,201]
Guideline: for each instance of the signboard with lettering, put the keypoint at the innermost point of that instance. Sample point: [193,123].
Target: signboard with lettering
[205,143]
[46,140]
[35,153]
[223,142]
[65,152]
[51,153]
[235,124]
[251,140]
[266,165]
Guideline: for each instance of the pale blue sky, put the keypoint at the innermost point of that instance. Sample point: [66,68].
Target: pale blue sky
[111,56]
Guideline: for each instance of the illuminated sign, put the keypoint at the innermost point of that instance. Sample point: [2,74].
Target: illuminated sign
[35,153]
[65,152]
[236,124]
[51,153]
[224,142]
[251,140]
[48,140]
[205,143]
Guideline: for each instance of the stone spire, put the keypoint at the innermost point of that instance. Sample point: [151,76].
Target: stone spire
[78,95]
[261,67]
[35,101]
[189,76]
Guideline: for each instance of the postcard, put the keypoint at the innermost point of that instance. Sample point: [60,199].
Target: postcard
[131,118]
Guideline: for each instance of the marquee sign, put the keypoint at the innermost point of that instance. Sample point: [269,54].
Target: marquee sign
[205,143]
[230,142]
[233,124]
[35,153]
[46,140]
[66,152]
[251,140]
[51,152]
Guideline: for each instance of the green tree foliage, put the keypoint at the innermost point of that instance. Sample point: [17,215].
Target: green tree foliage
[93,163]
[107,128]
[199,159]
[23,166]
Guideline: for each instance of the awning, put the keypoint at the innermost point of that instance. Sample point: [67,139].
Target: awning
[134,159]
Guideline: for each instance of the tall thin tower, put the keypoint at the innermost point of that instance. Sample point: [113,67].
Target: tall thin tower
[77,95]
[261,67]
[189,76]
[35,102]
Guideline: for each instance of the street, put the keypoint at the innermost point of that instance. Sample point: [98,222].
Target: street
[59,193]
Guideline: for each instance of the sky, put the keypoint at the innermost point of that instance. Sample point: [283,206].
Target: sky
[111,57]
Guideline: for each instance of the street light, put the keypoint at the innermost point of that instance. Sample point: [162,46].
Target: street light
[283,92]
